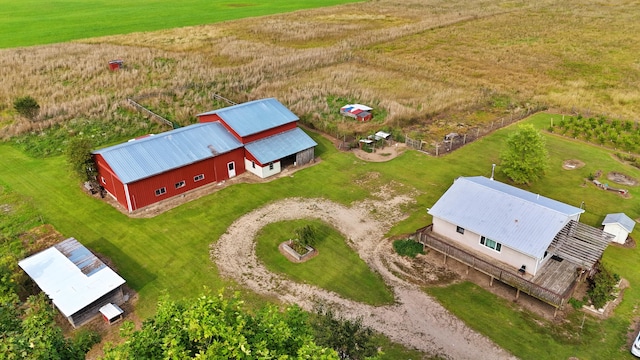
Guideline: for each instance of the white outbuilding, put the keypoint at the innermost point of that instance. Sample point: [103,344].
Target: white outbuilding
[618,225]
[77,282]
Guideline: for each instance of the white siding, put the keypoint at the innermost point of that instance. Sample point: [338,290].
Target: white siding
[471,241]
[260,171]
[618,231]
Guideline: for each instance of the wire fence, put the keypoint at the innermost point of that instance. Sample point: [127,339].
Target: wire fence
[454,141]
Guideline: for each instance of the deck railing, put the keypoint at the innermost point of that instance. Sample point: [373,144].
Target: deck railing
[507,276]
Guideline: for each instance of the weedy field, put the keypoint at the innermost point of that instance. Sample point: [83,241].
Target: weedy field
[431,67]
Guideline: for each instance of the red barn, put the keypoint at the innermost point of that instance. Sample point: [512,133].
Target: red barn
[261,136]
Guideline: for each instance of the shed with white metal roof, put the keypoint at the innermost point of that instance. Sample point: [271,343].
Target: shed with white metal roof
[76,281]
[618,225]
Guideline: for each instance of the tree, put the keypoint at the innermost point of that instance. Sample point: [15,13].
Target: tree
[27,107]
[349,338]
[525,158]
[80,158]
[214,327]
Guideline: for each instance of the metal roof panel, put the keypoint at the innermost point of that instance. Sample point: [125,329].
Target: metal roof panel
[279,146]
[139,159]
[521,220]
[63,276]
[255,116]
[621,219]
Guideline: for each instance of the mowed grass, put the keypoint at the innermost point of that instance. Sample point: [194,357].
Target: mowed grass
[336,267]
[35,22]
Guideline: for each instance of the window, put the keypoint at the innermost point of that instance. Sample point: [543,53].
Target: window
[460,230]
[253,164]
[180,184]
[271,166]
[198,177]
[161,191]
[491,244]
[103,180]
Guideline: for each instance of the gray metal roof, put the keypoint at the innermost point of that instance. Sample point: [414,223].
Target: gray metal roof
[139,159]
[521,220]
[255,116]
[279,146]
[621,219]
[70,275]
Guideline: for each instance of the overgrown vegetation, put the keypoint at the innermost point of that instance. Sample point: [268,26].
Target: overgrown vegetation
[408,247]
[419,74]
[349,338]
[601,287]
[217,327]
[27,320]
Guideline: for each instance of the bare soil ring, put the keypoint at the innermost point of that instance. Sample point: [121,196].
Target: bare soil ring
[415,319]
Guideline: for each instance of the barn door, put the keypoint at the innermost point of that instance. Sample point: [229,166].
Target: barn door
[231,167]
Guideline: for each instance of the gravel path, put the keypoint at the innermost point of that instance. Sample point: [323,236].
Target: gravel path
[415,319]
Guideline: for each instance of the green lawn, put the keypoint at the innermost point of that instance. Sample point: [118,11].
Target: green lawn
[336,267]
[170,252]
[35,22]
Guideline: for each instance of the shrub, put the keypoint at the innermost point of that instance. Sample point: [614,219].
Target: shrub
[601,286]
[408,247]
[27,107]
[576,304]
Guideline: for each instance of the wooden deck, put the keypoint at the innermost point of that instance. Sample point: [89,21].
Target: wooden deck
[552,284]
[557,276]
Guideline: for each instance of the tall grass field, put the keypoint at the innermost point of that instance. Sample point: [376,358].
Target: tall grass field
[35,22]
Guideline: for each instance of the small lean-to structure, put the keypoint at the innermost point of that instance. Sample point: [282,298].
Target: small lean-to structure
[75,280]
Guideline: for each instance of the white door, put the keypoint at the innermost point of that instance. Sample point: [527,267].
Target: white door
[231,167]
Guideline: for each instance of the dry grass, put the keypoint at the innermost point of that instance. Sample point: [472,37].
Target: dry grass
[420,61]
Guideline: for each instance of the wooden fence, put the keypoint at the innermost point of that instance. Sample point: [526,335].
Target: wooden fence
[511,278]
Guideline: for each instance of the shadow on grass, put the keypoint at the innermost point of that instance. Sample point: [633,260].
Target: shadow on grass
[137,277]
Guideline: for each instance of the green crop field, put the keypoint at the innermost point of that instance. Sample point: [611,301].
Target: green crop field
[35,22]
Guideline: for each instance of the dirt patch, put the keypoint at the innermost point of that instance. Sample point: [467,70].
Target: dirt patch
[622,179]
[382,154]
[572,164]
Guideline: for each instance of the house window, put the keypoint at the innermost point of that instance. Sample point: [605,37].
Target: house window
[103,180]
[460,230]
[161,191]
[491,244]
[253,164]
[180,184]
[271,166]
[198,177]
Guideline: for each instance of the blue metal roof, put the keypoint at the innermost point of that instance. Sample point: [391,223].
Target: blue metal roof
[279,146]
[139,159]
[621,219]
[521,220]
[255,116]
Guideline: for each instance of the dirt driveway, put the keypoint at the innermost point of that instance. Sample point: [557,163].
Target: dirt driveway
[415,319]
